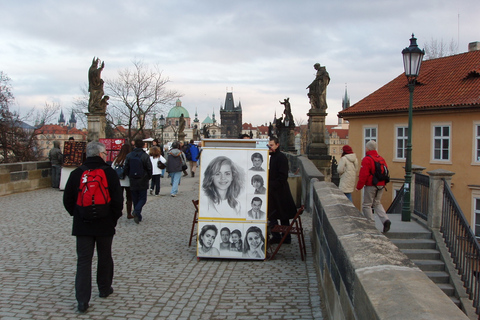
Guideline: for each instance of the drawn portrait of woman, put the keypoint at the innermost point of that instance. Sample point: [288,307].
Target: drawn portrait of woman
[223,182]
[206,239]
[254,244]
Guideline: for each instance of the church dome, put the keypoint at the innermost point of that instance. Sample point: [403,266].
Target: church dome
[177,111]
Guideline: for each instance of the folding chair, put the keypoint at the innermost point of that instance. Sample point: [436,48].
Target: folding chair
[195,221]
[295,227]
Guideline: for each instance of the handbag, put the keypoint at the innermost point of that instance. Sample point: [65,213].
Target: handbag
[161,165]
[184,167]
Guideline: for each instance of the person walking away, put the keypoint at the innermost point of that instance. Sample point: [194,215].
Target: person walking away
[155,157]
[56,158]
[92,231]
[118,165]
[281,205]
[183,148]
[372,194]
[347,169]
[192,154]
[139,169]
[174,167]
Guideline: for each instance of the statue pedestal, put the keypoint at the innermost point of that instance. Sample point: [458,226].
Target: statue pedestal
[181,136]
[316,147]
[96,126]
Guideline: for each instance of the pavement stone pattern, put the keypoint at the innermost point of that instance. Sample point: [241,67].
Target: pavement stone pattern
[157,275]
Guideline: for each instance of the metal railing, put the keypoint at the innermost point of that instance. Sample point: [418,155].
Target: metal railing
[422,186]
[462,244]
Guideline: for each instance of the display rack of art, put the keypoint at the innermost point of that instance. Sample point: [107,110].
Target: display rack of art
[113,147]
[74,153]
[233,202]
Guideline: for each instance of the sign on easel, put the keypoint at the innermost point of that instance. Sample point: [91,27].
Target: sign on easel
[232,219]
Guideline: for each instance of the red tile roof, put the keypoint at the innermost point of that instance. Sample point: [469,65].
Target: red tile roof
[342,133]
[57,129]
[451,82]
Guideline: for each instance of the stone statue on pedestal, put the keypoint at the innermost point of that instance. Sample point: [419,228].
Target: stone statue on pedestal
[95,86]
[97,103]
[318,88]
[288,112]
[181,124]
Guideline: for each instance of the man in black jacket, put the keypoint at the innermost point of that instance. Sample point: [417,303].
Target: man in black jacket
[90,233]
[281,205]
[138,185]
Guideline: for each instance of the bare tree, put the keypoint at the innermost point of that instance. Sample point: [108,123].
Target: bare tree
[136,94]
[18,141]
[437,49]
[80,106]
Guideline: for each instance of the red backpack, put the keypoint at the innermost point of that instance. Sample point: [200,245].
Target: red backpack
[93,200]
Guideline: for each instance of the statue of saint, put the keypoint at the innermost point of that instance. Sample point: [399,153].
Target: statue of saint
[181,124]
[318,88]
[104,104]
[95,85]
[288,111]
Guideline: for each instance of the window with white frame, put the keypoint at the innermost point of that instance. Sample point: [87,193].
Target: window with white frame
[476,204]
[441,142]
[401,142]
[477,143]
[369,133]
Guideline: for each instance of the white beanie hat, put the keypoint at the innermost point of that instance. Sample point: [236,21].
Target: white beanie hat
[371,145]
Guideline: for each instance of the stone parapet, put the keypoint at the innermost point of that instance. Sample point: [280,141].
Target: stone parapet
[24,176]
[362,274]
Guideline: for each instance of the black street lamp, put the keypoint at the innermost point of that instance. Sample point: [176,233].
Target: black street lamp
[162,125]
[412,59]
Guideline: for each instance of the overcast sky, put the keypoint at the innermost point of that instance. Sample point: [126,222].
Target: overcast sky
[264,50]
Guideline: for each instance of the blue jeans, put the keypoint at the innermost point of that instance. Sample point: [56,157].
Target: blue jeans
[175,178]
[349,196]
[139,198]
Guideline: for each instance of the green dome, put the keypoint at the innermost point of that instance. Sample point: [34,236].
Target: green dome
[177,111]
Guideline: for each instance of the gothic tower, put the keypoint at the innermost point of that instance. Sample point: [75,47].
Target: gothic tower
[231,118]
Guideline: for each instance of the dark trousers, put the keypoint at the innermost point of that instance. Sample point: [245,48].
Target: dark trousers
[83,279]
[56,170]
[155,183]
[139,198]
[273,222]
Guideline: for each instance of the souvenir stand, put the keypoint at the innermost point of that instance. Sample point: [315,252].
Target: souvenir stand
[113,147]
[73,157]
[232,219]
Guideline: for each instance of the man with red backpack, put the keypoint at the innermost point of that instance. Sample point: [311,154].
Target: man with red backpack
[94,198]
[373,186]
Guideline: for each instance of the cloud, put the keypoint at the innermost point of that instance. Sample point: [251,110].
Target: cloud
[265,50]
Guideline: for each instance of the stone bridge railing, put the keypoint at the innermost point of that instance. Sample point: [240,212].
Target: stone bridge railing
[362,274]
[24,176]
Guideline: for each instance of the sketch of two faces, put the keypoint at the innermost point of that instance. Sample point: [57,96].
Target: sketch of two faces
[233,184]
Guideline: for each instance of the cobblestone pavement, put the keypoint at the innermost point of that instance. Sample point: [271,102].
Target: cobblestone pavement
[157,275]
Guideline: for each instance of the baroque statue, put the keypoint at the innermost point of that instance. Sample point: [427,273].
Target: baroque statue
[318,88]
[181,124]
[95,87]
[288,111]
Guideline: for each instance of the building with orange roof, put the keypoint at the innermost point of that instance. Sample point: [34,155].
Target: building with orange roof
[445,130]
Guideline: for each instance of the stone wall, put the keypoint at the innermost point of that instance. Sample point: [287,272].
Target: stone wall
[24,176]
[362,275]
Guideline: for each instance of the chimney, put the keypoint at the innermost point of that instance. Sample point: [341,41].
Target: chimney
[474,46]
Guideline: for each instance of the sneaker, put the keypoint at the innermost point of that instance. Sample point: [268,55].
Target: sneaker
[386,226]
[173,195]
[151,192]
[193,174]
[106,294]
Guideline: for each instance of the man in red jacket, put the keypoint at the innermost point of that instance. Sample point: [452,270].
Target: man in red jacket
[372,195]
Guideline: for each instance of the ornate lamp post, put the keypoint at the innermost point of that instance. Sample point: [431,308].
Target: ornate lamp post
[412,59]
[162,125]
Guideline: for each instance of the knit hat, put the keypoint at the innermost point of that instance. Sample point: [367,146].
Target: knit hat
[371,145]
[347,149]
